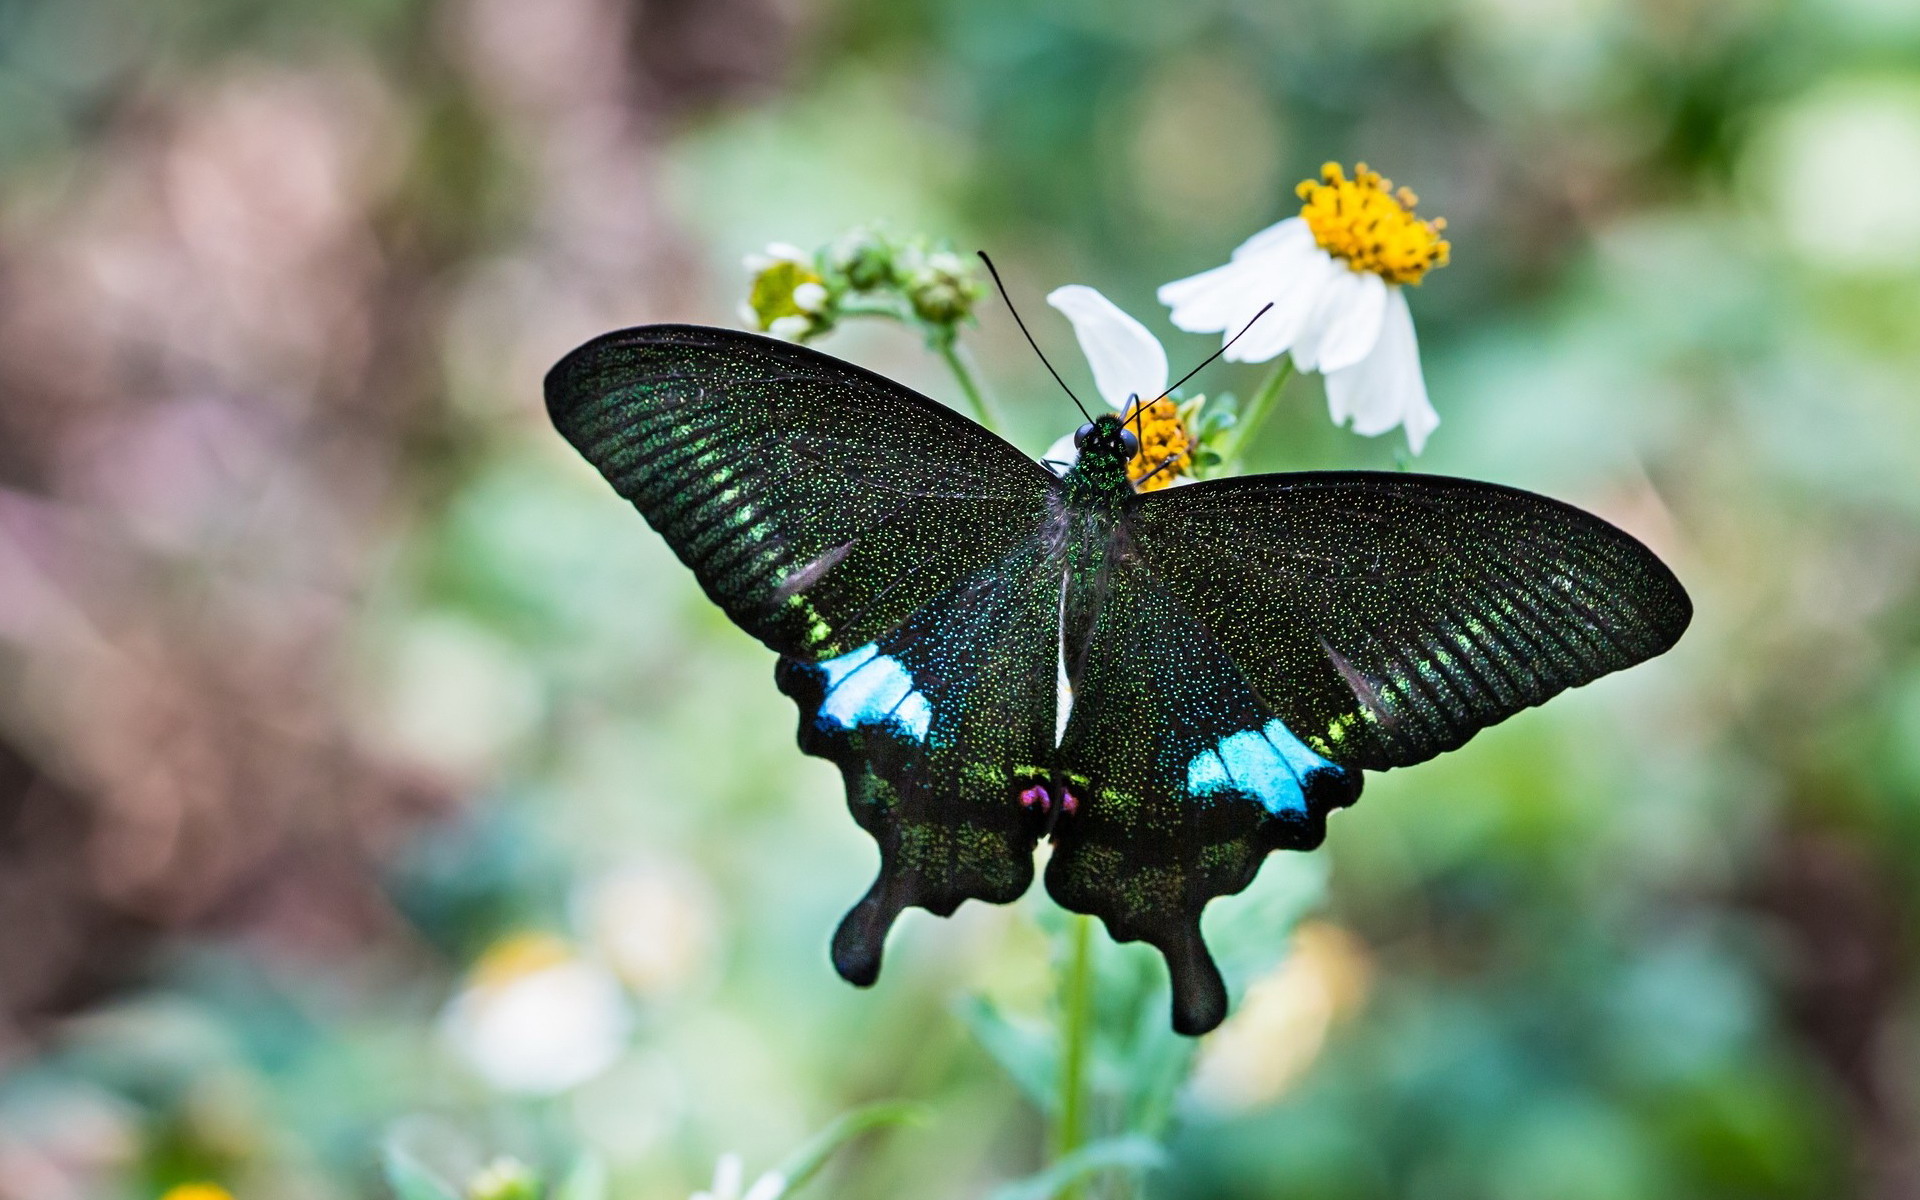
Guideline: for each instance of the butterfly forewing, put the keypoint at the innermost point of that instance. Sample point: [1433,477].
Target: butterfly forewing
[1388,617]
[818,504]
[944,733]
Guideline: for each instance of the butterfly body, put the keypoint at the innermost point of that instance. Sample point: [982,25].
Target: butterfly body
[1167,685]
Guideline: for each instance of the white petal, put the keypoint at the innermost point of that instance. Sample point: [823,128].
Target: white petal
[1212,300]
[770,1186]
[1224,298]
[790,327]
[810,297]
[787,251]
[1126,359]
[1061,456]
[727,1174]
[1386,389]
[1300,278]
[1280,233]
[1346,324]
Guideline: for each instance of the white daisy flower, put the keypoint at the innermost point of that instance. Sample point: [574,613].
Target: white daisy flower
[1335,276]
[536,1018]
[729,1173]
[1129,365]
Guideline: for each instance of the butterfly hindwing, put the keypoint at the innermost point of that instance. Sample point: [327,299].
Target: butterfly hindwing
[1183,780]
[943,731]
[819,504]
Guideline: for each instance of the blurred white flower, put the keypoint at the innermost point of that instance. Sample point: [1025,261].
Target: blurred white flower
[729,1173]
[654,923]
[536,1018]
[1277,1033]
[1335,276]
[1840,169]
[1129,365]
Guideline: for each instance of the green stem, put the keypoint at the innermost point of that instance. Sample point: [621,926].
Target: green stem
[1076,1003]
[875,308]
[1255,414]
[976,399]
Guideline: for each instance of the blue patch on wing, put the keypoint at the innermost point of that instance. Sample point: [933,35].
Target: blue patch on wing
[866,687]
[1268,763]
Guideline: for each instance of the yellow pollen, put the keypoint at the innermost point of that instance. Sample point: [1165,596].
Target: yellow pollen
[1373,227]
[1162,436]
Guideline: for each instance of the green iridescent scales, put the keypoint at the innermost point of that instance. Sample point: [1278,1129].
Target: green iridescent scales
[857,527]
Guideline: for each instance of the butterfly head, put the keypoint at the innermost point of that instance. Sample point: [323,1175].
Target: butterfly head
[1106,445]
[1106,436]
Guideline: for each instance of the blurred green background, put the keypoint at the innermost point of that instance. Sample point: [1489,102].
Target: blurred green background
[327,672]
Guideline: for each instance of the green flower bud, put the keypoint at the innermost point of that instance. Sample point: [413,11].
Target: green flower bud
[864,258]
[942,288]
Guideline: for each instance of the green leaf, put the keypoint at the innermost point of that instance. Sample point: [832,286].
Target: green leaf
[411,1179]
[586,1181]
[1129,1153]
[1026,1051]
[803,1164]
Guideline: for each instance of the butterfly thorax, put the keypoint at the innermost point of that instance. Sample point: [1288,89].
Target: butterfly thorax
[1097,491]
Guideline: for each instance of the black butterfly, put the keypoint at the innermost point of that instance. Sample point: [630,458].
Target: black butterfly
[1237,651]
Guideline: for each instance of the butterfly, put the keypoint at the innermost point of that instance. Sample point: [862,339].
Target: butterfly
[1167,684]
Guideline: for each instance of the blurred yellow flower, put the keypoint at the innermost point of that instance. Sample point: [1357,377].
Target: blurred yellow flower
[536,1017]
[197,1191]
[504,1179]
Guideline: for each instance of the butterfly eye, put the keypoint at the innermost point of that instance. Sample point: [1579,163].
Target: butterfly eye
[1081,435]
[1130,442]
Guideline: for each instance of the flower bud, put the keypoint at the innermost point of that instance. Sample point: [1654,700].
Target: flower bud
[864,258]
[942,288]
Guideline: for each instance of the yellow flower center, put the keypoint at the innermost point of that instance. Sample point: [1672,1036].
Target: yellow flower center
[1162,437]
[197,1191]
[1373,227]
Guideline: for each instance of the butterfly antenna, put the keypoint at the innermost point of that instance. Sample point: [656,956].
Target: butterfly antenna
[1216,354]
[1036,345]
[1165,463]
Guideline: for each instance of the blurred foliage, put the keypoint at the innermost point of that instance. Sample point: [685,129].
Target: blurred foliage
[324,668]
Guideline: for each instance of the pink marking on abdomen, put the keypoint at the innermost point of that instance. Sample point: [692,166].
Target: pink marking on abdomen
[1034,795]
[1070,803]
